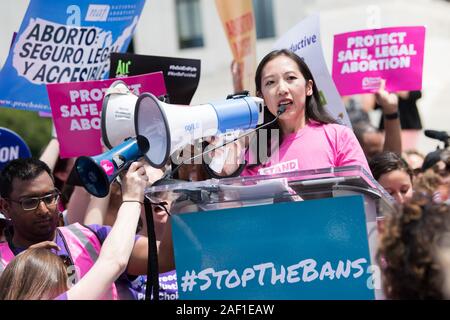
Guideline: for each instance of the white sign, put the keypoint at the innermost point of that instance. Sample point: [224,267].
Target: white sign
[304,40]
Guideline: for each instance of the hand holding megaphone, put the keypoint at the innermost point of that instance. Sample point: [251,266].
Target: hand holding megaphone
[224,161]
[97,173]
[169,127]
[134,182]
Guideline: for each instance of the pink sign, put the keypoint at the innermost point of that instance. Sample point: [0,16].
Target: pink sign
[76,109]
[362,58]
[107,166]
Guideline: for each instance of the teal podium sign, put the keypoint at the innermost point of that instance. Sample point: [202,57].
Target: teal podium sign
[315,249]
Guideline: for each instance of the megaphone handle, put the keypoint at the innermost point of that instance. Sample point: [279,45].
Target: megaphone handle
[123,169]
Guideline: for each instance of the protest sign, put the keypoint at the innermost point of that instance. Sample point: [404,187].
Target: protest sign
[60,42]
[239,24]
[76,109]
[362,58]
[304,40]
[315,249]
[181,75]
[12,147]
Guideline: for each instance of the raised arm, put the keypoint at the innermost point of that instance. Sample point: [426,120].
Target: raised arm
[50,154]
[116,249]
[77,206]
[392,127]
[97,210]
[236,74]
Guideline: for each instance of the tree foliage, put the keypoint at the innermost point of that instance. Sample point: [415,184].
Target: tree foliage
[35,130]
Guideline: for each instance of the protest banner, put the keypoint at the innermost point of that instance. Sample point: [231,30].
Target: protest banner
[304,40]
[315,249]
[362,58]
[60,42]
[181,75]
[76,109]
[239,24]
[12,147]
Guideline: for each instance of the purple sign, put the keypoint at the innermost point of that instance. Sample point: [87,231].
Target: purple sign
[362,58]
[76,109]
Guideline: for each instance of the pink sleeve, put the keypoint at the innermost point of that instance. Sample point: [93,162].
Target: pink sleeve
[349,151]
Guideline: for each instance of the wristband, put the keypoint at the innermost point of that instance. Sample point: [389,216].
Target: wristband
[392,116]
[133,201]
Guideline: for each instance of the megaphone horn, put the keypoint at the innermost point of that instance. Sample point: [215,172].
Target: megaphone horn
[170,127]
[118,114]
[96,173]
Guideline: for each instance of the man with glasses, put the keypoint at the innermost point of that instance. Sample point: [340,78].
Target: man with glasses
[29,199]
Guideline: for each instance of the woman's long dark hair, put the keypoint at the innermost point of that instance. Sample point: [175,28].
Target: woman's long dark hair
[314,109]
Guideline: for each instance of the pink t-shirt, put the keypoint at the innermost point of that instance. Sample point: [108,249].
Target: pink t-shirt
[313,147]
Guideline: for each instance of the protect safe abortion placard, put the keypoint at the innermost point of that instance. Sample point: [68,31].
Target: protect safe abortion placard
[76,109]
[315,249]
[64,41]
[362,58]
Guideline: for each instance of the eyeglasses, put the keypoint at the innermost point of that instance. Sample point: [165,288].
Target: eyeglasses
[32,203]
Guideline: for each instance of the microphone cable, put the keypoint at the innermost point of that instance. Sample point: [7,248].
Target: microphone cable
[281,110]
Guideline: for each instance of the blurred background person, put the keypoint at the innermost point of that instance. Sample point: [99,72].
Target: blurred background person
[393,174]
[410,268]
[415,159]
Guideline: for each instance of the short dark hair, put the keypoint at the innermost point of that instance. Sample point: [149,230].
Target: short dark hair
[22,169]
[386,162]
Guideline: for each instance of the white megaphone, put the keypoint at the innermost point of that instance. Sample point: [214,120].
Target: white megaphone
[170,127]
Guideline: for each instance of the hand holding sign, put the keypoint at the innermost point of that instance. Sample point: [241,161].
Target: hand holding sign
[48,49]
[387,101]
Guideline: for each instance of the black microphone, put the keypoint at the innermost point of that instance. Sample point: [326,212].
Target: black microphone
[281,110]
[438,135]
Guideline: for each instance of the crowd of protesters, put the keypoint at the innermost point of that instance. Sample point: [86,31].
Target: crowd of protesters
[105,240]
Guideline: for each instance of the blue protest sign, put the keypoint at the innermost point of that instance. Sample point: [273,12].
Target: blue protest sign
[12,146]
[59,41]
[315,249]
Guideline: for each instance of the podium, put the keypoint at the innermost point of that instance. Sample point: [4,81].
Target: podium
[308,234]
